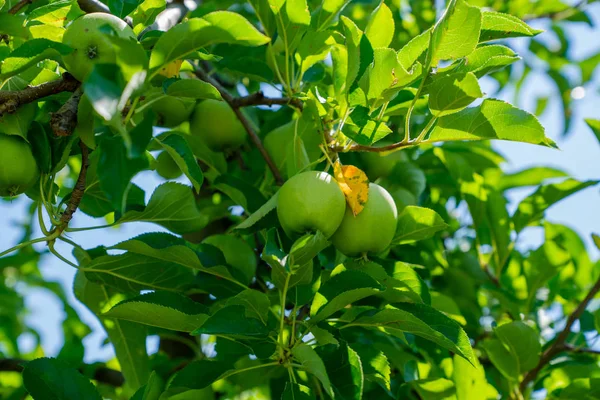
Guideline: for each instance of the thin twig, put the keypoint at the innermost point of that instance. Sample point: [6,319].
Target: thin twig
[559,344]
[95,6]
[64,121]
[101,373]
[201,74]
[259,99]
[17,7]
[78,190]
[381,149]
[576,349]
[559,15]
[11,100]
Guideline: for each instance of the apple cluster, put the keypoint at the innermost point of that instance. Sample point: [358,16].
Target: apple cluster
[313,201]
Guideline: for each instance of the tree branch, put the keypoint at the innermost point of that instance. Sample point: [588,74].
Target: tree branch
[78,190]
[64,121]
[17,7]
[259,99]
[575,349]
[11,100]
[92,6]
[201,74]
[559,344]
[101,373]
[381,149]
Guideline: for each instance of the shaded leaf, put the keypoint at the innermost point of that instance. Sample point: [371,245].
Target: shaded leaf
[417,223]
[312,363]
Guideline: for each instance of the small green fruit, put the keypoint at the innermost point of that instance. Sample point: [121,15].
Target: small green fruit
[372,230]
[310,201]
[217,125]
[237,253]
[90,45]
[378,165]
[172,111]
[278,144]
[167,167]
[18,168]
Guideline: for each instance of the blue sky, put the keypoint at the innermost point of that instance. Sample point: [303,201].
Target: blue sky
[579,156]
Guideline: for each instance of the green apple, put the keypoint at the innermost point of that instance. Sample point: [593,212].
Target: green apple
[278,144]
[90,45]
[167,167]
[379,165]
[310,201]
[372,230]
[217,125]
[172,111]
[237,253]
[18,122]
[18,168]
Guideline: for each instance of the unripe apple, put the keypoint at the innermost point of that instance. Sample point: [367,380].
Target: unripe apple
[279,142]
[172,111]
[310,201]
[18,168]
[378,165]
[167,167]
[90,45]
[217,125]
[372,230]
[237,253]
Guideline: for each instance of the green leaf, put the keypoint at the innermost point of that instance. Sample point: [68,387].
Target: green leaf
[51,379]
[487,59]
[375,364]
[306,248]
[312,363]
[360,53]
[493,119]
[128,338]
[240,191]
[150,391]
[386,77]
[434,388]
[596,239]
[297,12]
[417,223]
[380,28]
[420,320]
[57,13]
[259,214]
[594,125]
[30,53]
[187,37]
[233,321]
[145,13]
[452,93]
[200,374]
[194,89]
[532,208]
[414,50]
[496,25]
[172,206]
[296,391]
[323,336]
[325,15]
[342,289]
[161,309]
[470,381]
[121,8]
[104,88]
[364,130]
[116,170]
[529,177]
[523,341]
[456,34]
[502,358]
[255,303]
[265,15]
[180,151]
[13,25]
[344,369]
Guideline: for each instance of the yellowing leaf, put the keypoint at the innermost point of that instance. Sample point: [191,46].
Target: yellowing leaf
[355,185]
[171,70]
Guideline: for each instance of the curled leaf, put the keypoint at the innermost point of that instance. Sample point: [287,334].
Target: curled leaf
[355,185]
